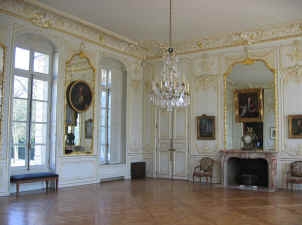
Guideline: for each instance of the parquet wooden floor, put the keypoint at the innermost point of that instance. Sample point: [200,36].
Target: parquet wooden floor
[152,202]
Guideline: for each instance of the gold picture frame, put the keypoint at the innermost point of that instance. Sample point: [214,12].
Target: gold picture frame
[206,127]
[79,96]
[294,126]
[248,105]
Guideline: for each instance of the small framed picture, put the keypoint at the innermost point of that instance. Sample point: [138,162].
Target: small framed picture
[248,105]
[205,127]
[273,133]
[295,126]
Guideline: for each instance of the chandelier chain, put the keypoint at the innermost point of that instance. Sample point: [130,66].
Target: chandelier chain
[172,90]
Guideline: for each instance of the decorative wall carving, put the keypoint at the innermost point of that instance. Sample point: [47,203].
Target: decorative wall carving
[296,55]
[205,82]
[293,73]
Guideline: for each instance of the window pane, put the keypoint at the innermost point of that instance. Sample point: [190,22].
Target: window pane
[19,133]
[37,155]
[18,155]
[40,90]
[103,153]
[109,117]
[103,117]
[41,63]
[20,110]
[20,87]
[109,79]
[103,78]
[38,133]
[39,111]
[103,99]
[102,136]
[22,58]
[109,99]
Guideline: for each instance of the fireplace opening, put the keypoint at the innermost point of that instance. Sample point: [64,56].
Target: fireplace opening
[249,172]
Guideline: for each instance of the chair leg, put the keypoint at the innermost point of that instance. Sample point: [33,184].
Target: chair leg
[193,179]
[57,183]
[46,185]
[287,185]
[17,189]
[199,179]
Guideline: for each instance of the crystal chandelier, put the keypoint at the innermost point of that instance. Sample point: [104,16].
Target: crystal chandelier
[171,91]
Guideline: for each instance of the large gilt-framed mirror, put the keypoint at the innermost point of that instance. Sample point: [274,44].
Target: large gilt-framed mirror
[79,106]
[2,60]
[250,106]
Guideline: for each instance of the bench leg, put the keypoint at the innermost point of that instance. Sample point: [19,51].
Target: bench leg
[57,183]
[46,181]
[17,189]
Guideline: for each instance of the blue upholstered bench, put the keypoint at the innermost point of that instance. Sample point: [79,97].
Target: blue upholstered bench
[34,177]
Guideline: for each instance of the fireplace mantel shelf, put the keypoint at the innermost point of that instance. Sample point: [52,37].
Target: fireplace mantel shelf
[248,151]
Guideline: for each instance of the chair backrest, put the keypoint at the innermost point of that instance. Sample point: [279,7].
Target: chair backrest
[206,164]
[296,169]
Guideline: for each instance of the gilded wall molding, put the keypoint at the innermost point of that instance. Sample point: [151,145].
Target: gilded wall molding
[48,19]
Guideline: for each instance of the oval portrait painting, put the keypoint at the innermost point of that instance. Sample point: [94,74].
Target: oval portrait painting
[79,95]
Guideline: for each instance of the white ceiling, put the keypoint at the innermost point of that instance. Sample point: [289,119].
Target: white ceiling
[148,19]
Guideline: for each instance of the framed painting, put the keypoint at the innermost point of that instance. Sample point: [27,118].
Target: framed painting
[295,126]
[248,105]
[205,127]
[79,96]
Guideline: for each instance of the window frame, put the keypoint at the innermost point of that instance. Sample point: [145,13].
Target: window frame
[31,76]
[107,109]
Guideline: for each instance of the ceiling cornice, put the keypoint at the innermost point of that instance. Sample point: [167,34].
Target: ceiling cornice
[267,34]
[48,18]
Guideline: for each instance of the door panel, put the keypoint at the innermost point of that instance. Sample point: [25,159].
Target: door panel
[172,164]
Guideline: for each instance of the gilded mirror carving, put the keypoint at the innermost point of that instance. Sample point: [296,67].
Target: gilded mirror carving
[79,105]
[252,82]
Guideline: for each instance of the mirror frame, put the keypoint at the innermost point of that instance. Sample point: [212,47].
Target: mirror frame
[81,54]
[250,61]
[2,90]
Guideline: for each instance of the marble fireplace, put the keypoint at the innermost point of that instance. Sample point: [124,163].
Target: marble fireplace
[255,168]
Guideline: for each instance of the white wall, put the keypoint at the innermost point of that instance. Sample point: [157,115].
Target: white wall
[73,170]
[206,71]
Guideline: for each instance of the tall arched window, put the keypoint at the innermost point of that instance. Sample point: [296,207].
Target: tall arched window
[31,95]
[112,92]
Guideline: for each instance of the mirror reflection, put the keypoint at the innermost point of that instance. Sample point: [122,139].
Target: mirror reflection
[250,107]
[79,105]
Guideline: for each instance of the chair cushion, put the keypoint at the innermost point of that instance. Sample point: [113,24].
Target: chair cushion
[31,176]
[296,169]
[202,174]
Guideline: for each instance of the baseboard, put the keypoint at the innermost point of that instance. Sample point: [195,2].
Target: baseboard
[77,183]
[108,179]
[4,194]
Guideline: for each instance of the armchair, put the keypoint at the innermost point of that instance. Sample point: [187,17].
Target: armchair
[204,169]
[294,174]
